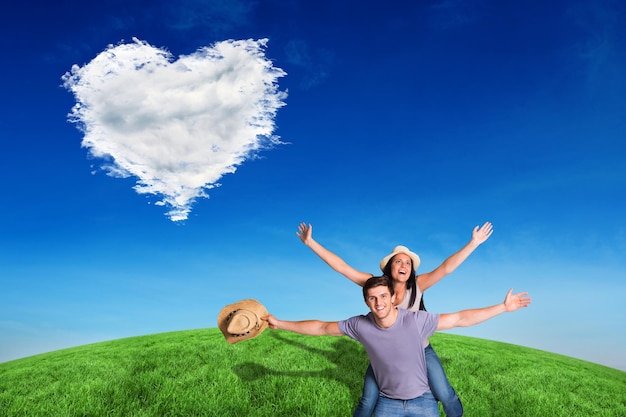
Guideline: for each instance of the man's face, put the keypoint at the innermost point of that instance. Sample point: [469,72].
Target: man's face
[380,301]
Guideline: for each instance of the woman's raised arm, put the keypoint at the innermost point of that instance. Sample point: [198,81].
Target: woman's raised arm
[305,233]
[479,235]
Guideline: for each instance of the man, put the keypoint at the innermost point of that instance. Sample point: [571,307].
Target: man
[391,338]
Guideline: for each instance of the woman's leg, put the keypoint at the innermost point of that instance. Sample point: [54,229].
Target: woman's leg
[439,385]
[368,400]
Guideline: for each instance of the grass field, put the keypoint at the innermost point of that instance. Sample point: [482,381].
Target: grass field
[196,373]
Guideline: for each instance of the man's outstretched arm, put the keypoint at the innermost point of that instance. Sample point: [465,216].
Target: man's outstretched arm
[308,327]
[466,318]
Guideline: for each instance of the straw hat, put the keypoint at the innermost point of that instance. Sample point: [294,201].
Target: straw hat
[242,320]
[397,250]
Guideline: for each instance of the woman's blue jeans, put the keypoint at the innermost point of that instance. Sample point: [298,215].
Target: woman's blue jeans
[423,406]
[439,385]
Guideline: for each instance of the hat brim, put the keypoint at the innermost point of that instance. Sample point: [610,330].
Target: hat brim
[252,305]
[415,259]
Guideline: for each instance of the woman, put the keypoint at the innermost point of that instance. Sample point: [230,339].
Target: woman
[401,265]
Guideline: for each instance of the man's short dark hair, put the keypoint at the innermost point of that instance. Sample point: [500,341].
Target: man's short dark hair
[373,282]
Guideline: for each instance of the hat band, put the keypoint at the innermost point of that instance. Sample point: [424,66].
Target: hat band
[255,327]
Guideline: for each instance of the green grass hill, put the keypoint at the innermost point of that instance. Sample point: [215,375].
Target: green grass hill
[196,373]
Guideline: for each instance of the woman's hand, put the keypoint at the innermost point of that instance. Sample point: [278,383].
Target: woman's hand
[480,234]
[305,233]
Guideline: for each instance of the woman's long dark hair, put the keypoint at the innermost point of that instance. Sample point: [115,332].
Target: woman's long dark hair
[411,283]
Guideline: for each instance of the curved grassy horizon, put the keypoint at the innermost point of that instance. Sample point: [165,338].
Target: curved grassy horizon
[196,373]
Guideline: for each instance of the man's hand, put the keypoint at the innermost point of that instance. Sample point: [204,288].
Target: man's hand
[514,301]
[272,322]
[480,234]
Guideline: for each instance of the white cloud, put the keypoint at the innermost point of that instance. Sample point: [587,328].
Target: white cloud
[176,125]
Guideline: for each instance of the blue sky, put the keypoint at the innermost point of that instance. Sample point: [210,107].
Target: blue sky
[380,126]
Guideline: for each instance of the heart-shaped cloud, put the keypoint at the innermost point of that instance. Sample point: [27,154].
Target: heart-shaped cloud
[176,125]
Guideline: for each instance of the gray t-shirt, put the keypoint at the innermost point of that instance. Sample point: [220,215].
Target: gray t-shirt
[398,362]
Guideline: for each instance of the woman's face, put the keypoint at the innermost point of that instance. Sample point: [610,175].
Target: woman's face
[401,266]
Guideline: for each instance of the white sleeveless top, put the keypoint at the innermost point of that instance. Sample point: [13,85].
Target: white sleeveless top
[407,297]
